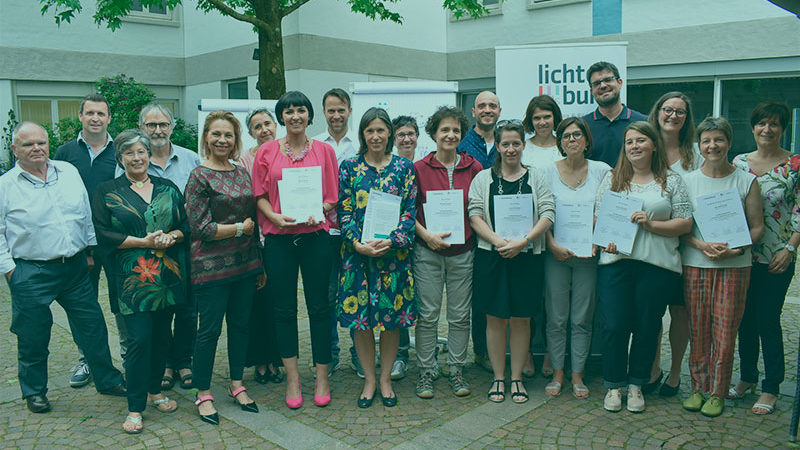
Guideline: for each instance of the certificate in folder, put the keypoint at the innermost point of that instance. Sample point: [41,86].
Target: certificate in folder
[614,221]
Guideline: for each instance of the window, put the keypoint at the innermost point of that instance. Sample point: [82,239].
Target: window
[237,89]
[154,14]
[642,97]
[160,9]
[48,110]
[538,4]
[495,7]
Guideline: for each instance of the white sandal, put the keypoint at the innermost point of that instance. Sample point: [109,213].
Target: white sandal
[164,401]
[136,421]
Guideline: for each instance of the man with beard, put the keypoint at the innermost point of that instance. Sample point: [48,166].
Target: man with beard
[608,122]
[479,140]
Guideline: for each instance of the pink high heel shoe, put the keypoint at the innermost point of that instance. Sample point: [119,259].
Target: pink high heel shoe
[323,400]
[294,403]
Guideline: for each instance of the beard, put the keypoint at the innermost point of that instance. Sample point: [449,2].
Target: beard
[611,101]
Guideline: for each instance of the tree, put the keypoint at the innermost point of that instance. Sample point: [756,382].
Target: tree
[264,15]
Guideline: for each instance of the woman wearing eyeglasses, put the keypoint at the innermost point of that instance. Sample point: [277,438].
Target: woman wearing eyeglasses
[570,281]
[673,119]
[507,278]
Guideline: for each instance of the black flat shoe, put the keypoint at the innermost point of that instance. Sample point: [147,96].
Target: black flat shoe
[116,391]
[669,391]
[261,378]
[364,402]
[389,402]
[38,403]
[275,377]
[649,388]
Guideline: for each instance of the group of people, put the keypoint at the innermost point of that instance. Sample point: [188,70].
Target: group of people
[187,242]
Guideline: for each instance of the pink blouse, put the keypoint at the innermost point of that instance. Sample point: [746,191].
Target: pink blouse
[268,170]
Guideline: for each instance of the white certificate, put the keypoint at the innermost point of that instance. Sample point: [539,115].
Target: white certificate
[720,218]
[381,217]
[573,227]
[444,213]
[300,191]
[513,215]
[614,221]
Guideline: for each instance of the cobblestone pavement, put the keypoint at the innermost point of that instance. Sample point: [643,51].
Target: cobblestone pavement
[83,418]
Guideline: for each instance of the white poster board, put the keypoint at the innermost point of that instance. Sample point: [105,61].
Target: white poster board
[557,70]
[418,99]
[240,109]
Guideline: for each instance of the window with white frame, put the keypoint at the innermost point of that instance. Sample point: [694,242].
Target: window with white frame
[47,110]
[494,7]
[538,4]
[154,14]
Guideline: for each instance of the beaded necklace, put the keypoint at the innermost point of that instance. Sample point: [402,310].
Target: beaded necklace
[306,149]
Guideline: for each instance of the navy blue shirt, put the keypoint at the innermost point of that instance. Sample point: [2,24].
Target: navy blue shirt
[93,172]
[607,135]
[474,145]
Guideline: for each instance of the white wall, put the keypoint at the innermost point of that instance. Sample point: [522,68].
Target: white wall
[648,15]
[6,103]
[194,93]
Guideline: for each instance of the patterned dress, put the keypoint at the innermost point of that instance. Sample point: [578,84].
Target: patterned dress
[376,293]
[146,279]
[780,191]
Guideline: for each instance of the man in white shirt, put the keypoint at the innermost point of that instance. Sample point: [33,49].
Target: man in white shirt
[45,228]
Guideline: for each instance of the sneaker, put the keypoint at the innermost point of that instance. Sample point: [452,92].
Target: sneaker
[457,383]
[80,375]
[613,400]
[436,370]
[355,364]
[635,399]
[483,362]
[713,407]
[399,369]
[425,384]
[694,402]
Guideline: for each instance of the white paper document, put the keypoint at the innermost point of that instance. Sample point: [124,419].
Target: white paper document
[614,221]
[300,191]
[573,227]
[444,213]
[720,218]
[381,217]
[513,215]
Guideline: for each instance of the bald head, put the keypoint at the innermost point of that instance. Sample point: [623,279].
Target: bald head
[486,110]
[25,126]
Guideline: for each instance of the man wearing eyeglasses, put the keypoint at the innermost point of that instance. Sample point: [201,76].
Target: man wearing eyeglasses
[608,122]
[45,228]
[92,153]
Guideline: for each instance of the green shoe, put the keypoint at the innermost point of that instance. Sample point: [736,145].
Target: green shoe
[694,402]
[713,407]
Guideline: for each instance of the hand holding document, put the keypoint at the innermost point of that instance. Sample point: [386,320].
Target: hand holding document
[573,227]
[614,221]
[444,213]
[720,218]
[513,215]
[300,191]
[381,217]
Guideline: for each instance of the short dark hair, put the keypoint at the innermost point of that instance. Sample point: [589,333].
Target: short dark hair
[405,121]
[341,94]
[446,112]
[97,98]
[715,124]
[293,98]
[580,123]
[372,114]
[765,110]
[599,67]
[542,102]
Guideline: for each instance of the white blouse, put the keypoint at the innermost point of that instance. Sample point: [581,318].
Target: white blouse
[540,157]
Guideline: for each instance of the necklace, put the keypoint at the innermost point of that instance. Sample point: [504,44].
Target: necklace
[306,149]
[500,184]
[139,184]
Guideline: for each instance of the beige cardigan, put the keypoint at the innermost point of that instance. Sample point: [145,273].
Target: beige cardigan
[543,204]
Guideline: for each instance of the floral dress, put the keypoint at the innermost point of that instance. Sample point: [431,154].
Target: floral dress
[376,293]
[780,191]
[146,279]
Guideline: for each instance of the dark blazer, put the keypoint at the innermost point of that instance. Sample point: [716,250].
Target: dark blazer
[93,173]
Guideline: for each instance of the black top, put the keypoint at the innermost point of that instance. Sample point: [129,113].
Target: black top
[93,173]
[521,186]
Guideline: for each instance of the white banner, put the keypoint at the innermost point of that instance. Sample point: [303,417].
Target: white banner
[557,70]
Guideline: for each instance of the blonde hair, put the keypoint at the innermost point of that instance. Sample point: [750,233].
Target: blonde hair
[237,131]
[623,173]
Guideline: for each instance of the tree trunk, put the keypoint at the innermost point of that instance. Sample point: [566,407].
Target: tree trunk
[271,78]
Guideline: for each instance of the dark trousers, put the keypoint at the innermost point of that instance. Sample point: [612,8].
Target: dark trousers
[262,348]
[632,298]
[333,293]
[180,340]
[762,321]
[310,254]
[478,327]
[34,285]
[94,278]
[234,302]
[147,355]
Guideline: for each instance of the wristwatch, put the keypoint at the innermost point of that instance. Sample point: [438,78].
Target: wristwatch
[239,229]
[790,248]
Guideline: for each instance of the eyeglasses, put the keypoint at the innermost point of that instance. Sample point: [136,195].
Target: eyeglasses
[503,123]
[38,184]
[402,136]
[574,135]
[606,80]
[151,126]
[669,111]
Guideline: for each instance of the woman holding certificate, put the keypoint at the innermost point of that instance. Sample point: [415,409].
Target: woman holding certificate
[773,256]
[673,119]
[569,266]
[225,260]
[634,287]
[510,209]
[294,181]
[377,212]
[717,274]
[443,253]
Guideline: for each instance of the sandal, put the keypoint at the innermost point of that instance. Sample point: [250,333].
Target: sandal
[519,396]
[212,418]
[735,395]
[165,405]
[186,380]
[276,376]
[761,408]
[496,392]
[579,390]
[167,383]
[135,426]
[247,407]
[553,389]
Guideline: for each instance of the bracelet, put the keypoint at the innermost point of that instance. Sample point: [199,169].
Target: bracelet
[528,240]
[239,229]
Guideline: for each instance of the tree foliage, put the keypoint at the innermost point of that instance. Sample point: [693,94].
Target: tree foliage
[263,15]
